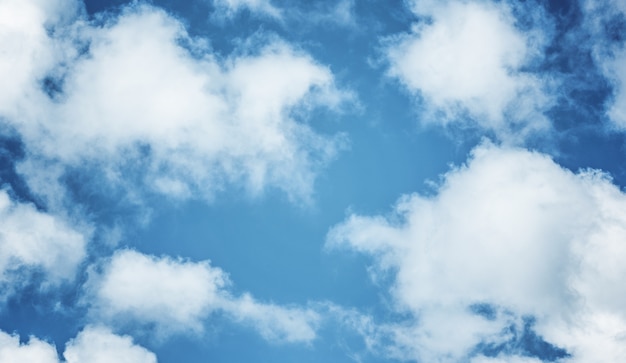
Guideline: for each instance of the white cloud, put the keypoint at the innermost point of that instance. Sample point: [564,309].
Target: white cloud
[92,345]
[183,121]
[609,54]
[35,351]
[27,51]
[468,61]
[178,296]
[230,8]
[173,294]
[274,322]
[514,230]
[506,359]
[99,345]
[32,240]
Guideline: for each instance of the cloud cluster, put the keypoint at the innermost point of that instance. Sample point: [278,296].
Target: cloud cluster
[510,236]
[176,296]
[469,62]
[93,344]
[137,96]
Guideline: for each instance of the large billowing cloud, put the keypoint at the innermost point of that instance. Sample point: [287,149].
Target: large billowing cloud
[34,242]
[510,244]
[467,64]
[139,99]
[178,296]
[93,345]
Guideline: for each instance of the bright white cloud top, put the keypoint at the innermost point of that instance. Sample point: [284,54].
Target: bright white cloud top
[174,176]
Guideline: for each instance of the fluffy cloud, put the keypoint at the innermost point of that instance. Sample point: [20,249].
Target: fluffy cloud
[99,345]
[175,295]
[467,61]
[32,240]
[12,351]
[93,345]
[178,296]
[137,97]
[511,235]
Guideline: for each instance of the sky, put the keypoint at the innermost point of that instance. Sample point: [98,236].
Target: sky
[312,181]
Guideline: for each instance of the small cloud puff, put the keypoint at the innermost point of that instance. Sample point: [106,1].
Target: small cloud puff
[467,61]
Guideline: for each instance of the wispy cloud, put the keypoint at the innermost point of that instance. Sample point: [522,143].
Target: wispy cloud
[178,296]
[605,21]
[136,95]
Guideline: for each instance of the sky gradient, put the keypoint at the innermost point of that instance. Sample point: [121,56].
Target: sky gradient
[329,181]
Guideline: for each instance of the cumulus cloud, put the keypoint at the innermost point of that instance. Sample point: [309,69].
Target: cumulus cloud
[178,296]
[100,345]
[466,61]
[93,345]
[12,351]
[136,96]
[34,241]
[175,295]
[510,238]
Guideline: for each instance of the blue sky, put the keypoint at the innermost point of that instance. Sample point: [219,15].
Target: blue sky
[329,181]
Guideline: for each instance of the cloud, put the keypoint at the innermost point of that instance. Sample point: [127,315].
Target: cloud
[34,241]
[230,8]
[12,351]
[605,21]
[99,345]
[93,345]
[470,64]
[143,103]
[274,322]
[177,296]
[321,13]
[511,242]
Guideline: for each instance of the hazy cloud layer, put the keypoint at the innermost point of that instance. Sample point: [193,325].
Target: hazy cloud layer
[511,235]
[467,63]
